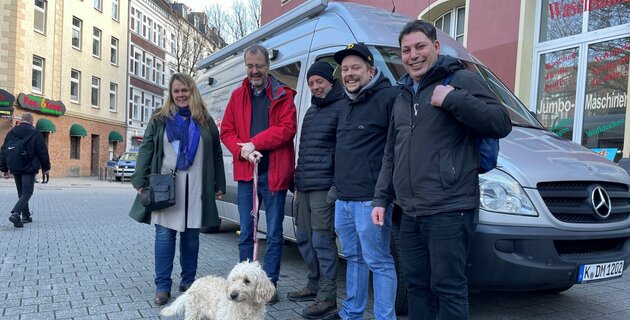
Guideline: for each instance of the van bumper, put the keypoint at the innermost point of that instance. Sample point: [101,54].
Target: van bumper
[506,258]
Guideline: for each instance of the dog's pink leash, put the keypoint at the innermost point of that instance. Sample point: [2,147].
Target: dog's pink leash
[255,210]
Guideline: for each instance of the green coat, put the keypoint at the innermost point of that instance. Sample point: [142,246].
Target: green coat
[150,158]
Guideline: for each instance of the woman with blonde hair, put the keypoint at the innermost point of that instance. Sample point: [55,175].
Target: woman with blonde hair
[181,137]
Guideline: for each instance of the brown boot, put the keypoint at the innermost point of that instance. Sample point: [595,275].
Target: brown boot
[320,309]
[304,294]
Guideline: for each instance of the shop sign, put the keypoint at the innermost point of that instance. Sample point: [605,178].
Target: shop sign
[6,104]
[41,105]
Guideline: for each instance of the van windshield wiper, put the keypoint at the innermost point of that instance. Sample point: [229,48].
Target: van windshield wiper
[523,125]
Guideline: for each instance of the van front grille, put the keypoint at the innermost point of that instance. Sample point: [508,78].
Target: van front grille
[572,201]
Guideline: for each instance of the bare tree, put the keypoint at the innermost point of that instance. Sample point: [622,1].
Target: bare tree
[189,47]
[233,24]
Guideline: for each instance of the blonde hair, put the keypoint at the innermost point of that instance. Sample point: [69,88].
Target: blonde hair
[198,109]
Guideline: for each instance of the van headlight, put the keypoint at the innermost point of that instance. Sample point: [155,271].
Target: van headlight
[502,194]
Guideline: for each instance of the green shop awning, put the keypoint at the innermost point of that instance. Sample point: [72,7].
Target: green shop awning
[115,136]
[45,125]
[77,130]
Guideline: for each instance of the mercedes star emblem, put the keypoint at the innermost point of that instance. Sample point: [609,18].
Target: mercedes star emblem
[601,202]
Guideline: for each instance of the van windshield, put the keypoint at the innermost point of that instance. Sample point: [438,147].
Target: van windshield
[390,62]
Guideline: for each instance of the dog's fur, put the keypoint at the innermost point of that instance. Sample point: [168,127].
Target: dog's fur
[241,297]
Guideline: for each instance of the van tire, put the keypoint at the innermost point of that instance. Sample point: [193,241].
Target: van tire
[213,229]
[401,288]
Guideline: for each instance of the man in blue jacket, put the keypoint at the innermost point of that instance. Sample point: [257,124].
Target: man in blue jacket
[31,142]
[432,162]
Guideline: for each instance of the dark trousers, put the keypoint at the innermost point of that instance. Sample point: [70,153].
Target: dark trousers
[434,250]
[24,184]
[315,235]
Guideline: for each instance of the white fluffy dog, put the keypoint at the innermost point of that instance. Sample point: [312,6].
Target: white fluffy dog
[241,297]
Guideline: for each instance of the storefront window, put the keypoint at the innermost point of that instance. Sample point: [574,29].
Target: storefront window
[556,91]
[606,97]
[561,18]
[606,14]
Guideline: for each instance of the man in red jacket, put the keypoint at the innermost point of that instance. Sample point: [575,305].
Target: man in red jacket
[259,125]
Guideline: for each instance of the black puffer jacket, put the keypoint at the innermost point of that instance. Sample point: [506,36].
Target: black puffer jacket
[315,167]
[431,159]
[35,146]
[361,137]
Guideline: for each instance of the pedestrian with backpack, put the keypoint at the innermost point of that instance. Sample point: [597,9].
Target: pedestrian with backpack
[442,118]
[23,153]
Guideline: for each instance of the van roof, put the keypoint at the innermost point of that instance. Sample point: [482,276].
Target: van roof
[360,19]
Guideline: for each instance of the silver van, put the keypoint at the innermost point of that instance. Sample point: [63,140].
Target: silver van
[552,214]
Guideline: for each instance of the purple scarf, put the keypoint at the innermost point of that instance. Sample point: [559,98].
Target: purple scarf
[187,132]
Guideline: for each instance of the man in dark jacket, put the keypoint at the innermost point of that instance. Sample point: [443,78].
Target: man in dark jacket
[315,233]
[431,160]
[36,156]
[361,137]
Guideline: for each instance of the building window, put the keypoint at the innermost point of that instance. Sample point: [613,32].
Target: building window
[453,23]
[96,91]
[75,147]
[37,81]
[148,106]
[149,28]
[98,5]
[96,42]
[77,25]
[136,106]
[39,21]
[149,68]
[113,96]
[136,63]
[75,85]
[115,10]
[114,52]
[583,80]
[159,72]
[136,20]
[157,102]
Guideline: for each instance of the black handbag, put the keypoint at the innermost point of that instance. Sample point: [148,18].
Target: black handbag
[160,193]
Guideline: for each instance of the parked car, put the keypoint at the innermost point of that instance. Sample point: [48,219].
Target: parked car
[125,166]
[552,214]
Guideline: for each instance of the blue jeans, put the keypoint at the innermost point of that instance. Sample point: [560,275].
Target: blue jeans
[25,183]
[165,253]
[274,210]
[366,248]
[434,250]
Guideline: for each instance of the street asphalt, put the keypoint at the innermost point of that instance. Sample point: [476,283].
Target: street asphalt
[84,258]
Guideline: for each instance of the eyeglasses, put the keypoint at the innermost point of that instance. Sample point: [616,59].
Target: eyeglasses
[250,66]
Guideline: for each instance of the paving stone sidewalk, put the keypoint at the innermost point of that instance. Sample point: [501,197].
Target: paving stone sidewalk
[83,258]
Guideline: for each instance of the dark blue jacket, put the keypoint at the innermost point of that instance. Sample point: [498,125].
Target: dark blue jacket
[35,146]
[316,166]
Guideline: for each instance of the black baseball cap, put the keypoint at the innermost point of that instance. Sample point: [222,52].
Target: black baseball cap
[356,49]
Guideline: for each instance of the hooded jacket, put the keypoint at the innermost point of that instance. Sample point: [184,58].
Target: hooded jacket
[277,139]
[35,146]
[315,166]
[361,137]
[431,159]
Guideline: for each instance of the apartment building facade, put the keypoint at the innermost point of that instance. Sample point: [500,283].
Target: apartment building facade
[567,60]
[64,62]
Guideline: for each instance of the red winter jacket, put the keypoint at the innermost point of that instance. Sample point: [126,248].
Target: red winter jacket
[277,139]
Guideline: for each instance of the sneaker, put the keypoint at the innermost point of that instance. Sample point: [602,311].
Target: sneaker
[26,218]
[304,294]
[320,309]
[15,218]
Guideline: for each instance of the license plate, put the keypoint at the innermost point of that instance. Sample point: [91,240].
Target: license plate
[600,271]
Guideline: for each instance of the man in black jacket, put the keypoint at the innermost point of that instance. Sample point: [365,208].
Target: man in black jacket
[432,162]
[361,137]
[24,172]
[315,233]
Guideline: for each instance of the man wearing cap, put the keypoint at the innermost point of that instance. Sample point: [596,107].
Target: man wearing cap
[361,136]
[314,175]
